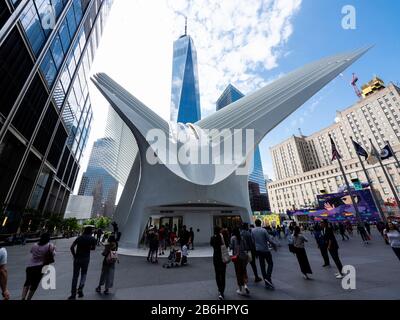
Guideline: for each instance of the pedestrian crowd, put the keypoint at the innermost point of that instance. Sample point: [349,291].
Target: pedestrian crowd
[242,246]
[43,254]
[251,243]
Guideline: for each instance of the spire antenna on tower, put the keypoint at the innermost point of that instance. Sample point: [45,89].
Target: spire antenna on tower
[185,26]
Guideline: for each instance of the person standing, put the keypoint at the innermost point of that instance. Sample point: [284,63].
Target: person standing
[4,274]
[240,260]
[363,233]
[108,266]
[161,240]
[191,237]
[321,244]
[216,242]
[184,237]
[115,227]
[261,241]
[392,235]
[245,233]
[332,246]
[298,241]
[342,231]
[42,253]
[83,244]
[99,232]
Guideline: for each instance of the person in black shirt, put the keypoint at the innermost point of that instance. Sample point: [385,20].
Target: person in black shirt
[191,236]
[217,240]
[184,237]
[115,227]
[83,244]
[332,245]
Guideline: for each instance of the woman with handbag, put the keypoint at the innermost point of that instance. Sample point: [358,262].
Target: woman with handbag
[108,267]
[240,258]
[300,251]
[220,259]
[42,254]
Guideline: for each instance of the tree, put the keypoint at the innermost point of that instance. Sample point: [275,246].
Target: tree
[99,222]
[70,224]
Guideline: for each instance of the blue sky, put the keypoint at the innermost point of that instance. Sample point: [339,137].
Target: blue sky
[317,32]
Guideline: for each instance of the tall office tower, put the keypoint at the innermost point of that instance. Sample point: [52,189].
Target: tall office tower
[257,188]
[97,181]
[303,165]
[46,51]
[122,146]
[185,97]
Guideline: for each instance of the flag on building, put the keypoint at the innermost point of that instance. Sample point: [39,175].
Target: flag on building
[335,152]
[386,153]
[360,150]
[372,159]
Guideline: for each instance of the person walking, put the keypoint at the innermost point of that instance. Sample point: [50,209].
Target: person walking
[261,240]
[298,241]
[42,253]
[342,231]
[108,266]
[4,274]
[240,259]
[349,228]
[245,233]
[84,244]
[392,234]
[363,233]
[216,242]
[332,246]
[99,233]
[191,237]
[319,238]
[368,228]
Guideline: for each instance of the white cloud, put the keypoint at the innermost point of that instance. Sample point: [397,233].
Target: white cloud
[236,42]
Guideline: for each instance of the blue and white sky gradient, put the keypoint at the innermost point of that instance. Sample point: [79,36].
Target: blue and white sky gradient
[246,43]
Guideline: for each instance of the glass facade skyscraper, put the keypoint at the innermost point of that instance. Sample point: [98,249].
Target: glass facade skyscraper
[122,148]
[185,97]
[46,51]
[109,165]
[257,188]
[98,182]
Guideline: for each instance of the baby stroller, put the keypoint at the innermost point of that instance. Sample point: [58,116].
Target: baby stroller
[174,259]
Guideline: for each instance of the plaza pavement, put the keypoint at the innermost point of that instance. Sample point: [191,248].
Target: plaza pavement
[377,275]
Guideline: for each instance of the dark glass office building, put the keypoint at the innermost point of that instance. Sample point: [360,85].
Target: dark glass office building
[257,188]
[46,50]
[185,97]
[97,181]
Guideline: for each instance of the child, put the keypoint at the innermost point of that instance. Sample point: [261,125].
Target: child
[185,254]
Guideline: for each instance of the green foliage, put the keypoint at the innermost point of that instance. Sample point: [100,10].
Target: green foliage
[99,222]
[70,224]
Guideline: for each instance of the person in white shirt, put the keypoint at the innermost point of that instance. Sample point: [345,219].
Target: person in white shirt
[392,235]
[4,274]
[185,254]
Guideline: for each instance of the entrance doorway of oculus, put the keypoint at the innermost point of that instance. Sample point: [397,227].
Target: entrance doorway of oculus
[230,222]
